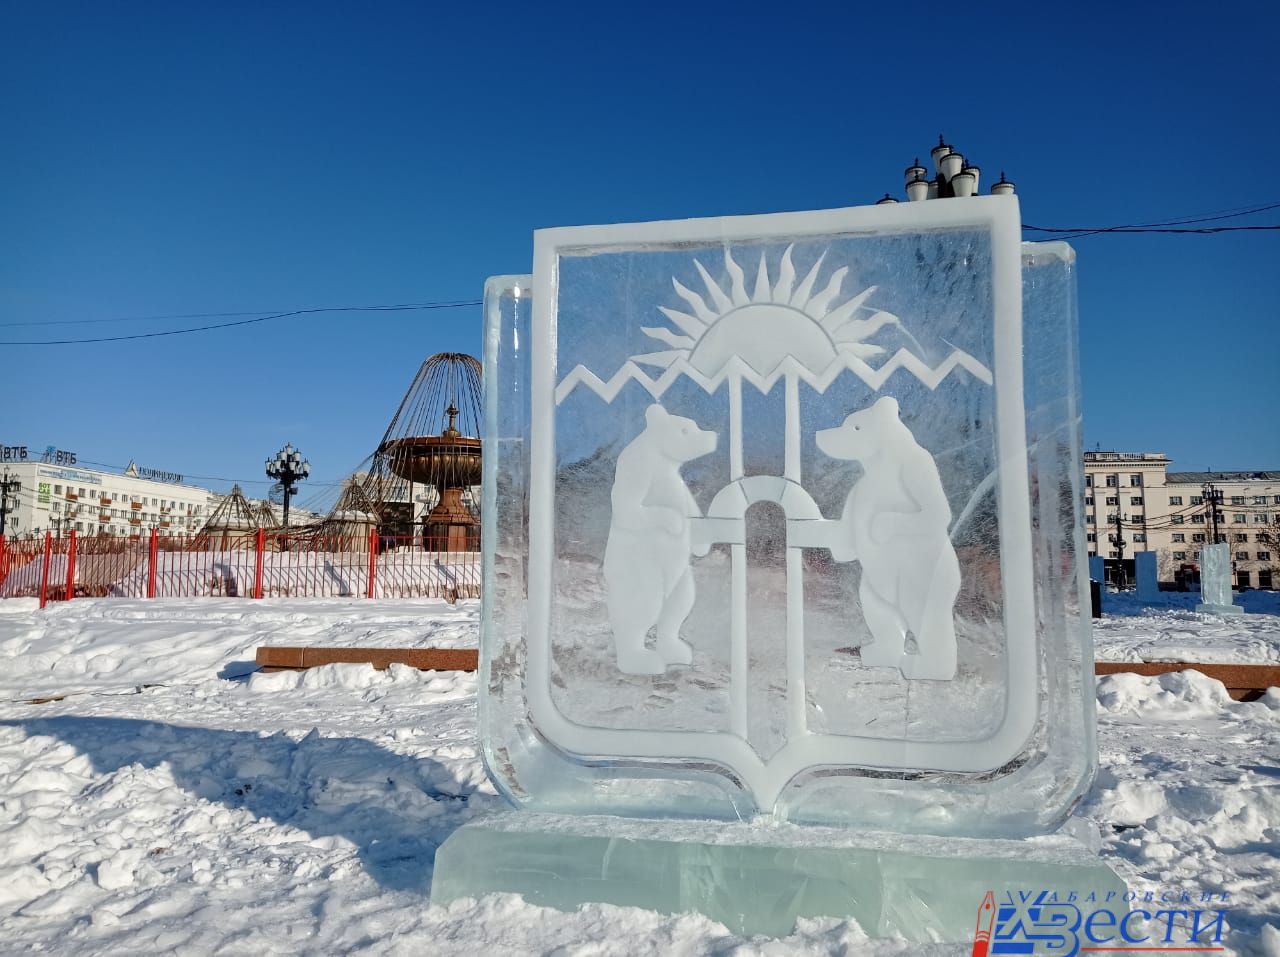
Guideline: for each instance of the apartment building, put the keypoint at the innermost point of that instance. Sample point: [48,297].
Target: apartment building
[59,498]
[1246,517]
[1133,503]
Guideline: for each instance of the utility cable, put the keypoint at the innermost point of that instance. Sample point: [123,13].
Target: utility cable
[240,322]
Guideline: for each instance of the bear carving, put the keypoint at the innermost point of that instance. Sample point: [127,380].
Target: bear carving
[646,560]
[895,523]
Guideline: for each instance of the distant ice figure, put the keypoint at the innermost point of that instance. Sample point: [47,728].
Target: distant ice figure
[1147,576]
[895,524]
[646,559]
[1215,581]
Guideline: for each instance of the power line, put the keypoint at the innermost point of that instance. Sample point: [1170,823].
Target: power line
[1167,226]
[1207,231]
[205,315]
[1172,226]
[243,322]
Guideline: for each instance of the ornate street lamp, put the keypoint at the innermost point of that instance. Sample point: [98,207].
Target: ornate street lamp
[954,177]
[288,468]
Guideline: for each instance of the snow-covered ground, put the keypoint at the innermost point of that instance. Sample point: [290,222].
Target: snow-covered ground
[109,644]
[172,802]
[1168,629]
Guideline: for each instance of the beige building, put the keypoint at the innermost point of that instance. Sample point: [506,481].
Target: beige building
[1133,503]
[59,498]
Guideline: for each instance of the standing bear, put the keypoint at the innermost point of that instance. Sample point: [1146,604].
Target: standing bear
[646,561]
[895,524]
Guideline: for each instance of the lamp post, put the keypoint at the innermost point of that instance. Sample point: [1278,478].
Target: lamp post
[288,468]
[954,177]
[1213,498]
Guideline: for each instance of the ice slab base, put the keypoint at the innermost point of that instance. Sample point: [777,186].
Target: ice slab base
[757,880]
[1223,610]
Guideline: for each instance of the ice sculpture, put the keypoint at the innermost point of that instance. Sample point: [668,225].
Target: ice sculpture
[1146,576]
[646,560]
[818,559]
[895,523]
[1215,581]
[772,513]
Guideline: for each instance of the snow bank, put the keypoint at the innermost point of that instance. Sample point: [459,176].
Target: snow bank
[1173,695]
[357,677]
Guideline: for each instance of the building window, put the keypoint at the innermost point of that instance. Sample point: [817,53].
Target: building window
[1275,500]
[1111,554]
[1197,519]
[1091,537]
[1237,499]
[1197,499]
[1242,579]
[1139,518]
[1259,500]
[1179,519]
[1195,556]
[1239,538]
[1135,480]
[1179,556]
[1238,518]
[1264,537]
[1139,537]
[1264,578]
[1264,556]
[1135,500]
[1175,499]
[1179,537]
[1242,556]
[1088,500]
[1089,519]
[1260,519]
[57,490]
[1198,537]
[79,526]
[1111,519]
[82,491]
[1113,481]
[1113,500]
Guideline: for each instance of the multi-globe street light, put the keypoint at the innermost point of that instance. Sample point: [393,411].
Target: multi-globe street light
[954,177]
[288,468]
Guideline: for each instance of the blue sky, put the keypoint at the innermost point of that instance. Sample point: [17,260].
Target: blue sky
[180,158]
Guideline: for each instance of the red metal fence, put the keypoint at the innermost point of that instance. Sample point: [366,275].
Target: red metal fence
[250,564]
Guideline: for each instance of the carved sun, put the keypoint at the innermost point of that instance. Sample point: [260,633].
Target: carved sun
[778,319]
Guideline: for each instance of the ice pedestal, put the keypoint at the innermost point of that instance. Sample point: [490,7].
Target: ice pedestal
[1148,579]
[759,879]
[1215,581]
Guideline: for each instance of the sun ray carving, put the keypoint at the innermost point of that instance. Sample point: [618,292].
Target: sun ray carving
[699,306]
[777,320]
[723,302]
[786,278]
[801,298]
[662,334]
[738,284]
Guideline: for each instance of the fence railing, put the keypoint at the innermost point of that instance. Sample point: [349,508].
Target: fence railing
[249,563]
